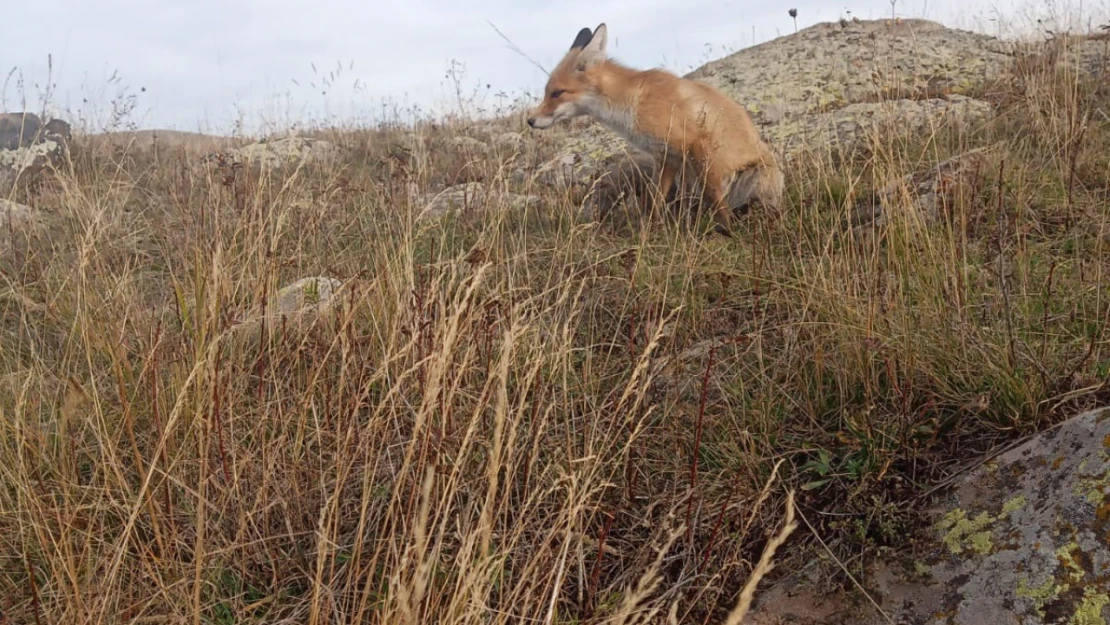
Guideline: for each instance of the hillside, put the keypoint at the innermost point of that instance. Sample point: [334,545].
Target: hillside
[441,375]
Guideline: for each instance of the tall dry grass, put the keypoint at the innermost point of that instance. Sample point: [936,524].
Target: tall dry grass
[512,416]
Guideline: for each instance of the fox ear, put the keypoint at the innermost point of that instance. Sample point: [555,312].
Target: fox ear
[598,40]
[594,51]
[582,39]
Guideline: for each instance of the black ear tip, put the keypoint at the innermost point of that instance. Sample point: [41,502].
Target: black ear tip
[582,39]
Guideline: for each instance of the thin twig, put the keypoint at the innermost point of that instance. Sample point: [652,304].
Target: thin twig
[515,48]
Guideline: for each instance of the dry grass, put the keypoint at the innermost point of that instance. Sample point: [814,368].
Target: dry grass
[515,417]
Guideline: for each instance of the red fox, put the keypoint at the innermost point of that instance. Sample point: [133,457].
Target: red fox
[680,122]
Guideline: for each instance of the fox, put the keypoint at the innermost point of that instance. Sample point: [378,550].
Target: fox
[683,124]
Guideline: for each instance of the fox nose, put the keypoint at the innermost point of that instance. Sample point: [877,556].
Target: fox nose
[532,122]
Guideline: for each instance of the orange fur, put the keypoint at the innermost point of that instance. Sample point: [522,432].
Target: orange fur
[682,123]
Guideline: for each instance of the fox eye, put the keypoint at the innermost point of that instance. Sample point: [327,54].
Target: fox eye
[557,93]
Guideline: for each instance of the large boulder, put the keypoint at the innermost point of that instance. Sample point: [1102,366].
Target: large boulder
[1023,539]
[28,146]
[828,66]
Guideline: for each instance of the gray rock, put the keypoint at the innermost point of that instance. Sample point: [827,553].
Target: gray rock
[14,213]
[313,293]
[509,141]
[1072,55]
[295,305]
[1091,55]
[1023,539]
[28,146]
[469,145]
[468,196]
[15,219]
[460,196]
[924,191]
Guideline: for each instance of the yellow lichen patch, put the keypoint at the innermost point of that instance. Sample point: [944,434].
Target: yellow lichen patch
[1067,562]
[1094,489]
[1089,611]
[963,533]
[1012,506]
[1039,595]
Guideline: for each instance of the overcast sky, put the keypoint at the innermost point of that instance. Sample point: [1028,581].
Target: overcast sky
[202,64]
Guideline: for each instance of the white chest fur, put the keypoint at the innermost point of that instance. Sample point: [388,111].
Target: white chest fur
[622,121]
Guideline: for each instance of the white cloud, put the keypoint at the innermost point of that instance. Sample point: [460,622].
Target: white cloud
[202,60]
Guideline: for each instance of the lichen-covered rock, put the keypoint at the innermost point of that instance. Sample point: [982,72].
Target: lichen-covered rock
[1023,539]
[1091,55]
[1027,537]
[1087,56]
[830,65]
[457,197]
[27,146]
[14,218]
[14,213]
[924,192]
[467,196]
[192,144]
[581,159]
[295,305]
[313,293]
[469,145]
[509,141]
[276,154]
[852,126]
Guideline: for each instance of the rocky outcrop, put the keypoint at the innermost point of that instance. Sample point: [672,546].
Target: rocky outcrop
[28,146]
[1025,538]
[829,66]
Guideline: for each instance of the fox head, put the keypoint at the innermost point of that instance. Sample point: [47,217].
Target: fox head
[570,84]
